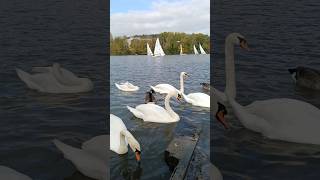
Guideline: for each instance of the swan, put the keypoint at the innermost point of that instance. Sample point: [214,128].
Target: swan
[127,86]
[120,137]
[283,119]
[196,99]
[11,174]
[306,77]
[155,113]
[149,98]
[91,159]
[54,79]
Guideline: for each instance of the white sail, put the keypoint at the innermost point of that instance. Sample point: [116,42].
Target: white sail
[201,49]
[158,51]
[181,52]
[149,52]
[195,50]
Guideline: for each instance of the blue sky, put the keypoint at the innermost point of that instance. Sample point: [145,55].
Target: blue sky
[136,17]
[122,6]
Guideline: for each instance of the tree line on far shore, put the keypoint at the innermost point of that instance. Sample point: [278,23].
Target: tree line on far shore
[170,42]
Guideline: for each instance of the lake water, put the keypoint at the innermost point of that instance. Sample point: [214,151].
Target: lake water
[154,138]
[282,34]
[38,34]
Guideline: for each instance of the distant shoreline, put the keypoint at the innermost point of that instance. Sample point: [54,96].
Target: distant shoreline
[170,42]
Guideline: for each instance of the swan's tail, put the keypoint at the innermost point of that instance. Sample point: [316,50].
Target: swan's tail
[118,86]
[26,78]
[68,151]
[135,112]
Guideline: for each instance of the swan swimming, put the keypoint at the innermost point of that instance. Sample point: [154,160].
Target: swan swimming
[283,119]
[306,77]
[196,99]
[7,173]
[91,160]
[120,137]
[54,79]
[155,113]
[127,87]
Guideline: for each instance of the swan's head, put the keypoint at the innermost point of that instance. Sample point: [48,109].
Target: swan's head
[221,112]
[238,39]
[293,73]
[135,147]
[179,96]
[184,75]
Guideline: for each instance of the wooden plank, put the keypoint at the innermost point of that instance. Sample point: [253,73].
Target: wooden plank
[178,155]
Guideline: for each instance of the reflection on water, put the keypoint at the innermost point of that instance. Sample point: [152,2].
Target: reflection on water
[281,37]
[154,138]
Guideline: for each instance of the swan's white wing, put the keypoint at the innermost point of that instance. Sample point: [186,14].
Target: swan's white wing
[154,113]
[97,146]
[116,126]
[163,88]
[199,99]
[86,163]
[7,173]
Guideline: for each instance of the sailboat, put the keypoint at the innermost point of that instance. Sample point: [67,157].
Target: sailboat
[195,50]
[149,52]
[181,52]
[158,51]
[201,49]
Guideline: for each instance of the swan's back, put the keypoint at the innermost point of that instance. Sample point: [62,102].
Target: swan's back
[10,174]
[155,113]
[97,146]
[116,126]
[200,99]
[85,162]
[164,88]
[290,119]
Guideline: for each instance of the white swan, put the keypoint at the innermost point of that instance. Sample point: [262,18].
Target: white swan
[120,137]
[154,113]
[196,99]
[127,86]
[283,119]
[7,173]
[54,79]
[91,160]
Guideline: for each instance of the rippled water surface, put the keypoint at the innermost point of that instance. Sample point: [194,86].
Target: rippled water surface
[38,34]
[282,35]
[144,71]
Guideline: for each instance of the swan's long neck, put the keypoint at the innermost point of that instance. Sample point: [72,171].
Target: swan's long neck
[229,69]
[181,83]
[168,107]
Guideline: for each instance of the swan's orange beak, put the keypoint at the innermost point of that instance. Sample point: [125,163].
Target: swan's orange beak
[221,119]
[244,45]
[138,156]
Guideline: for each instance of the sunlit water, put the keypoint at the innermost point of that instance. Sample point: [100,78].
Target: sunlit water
[282,35]
[154,138]
[38,34]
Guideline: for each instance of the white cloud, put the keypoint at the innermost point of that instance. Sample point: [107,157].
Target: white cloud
[190,16]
